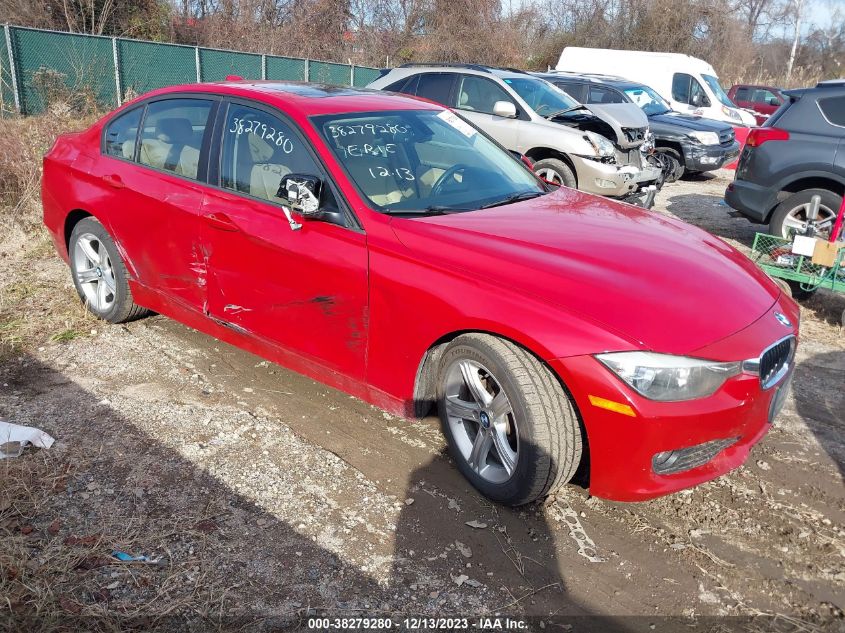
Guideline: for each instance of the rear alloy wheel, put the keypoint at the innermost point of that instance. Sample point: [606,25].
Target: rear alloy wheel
[99,274]
[790,216]
[555,171]
[512,429]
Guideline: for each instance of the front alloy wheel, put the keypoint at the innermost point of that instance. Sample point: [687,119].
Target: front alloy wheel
[481,420]
[511,426]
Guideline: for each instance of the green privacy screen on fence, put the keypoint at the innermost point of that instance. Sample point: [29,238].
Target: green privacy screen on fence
[216,65]
[146,66]
[51,66]
[68,67]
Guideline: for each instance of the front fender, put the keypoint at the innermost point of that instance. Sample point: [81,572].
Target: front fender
[415,304]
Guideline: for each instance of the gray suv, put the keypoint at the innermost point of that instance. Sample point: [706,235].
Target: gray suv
[595,150]
[798,153]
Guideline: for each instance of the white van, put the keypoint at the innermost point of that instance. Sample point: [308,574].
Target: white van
[689,84]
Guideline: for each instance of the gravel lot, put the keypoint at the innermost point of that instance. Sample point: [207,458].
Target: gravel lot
[264,494]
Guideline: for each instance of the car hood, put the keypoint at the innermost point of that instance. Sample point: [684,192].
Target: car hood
[625,114]
[610,121]
[691,123]
[660,283]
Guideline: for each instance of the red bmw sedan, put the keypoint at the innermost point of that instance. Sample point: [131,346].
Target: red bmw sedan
[382,245]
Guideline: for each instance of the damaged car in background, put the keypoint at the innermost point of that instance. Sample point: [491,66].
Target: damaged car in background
[686,143]
[601,149]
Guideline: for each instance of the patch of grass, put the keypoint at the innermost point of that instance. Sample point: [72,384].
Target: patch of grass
[65,335]
[10,333]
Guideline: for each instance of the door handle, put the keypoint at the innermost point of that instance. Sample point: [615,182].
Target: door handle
[221,222]
[113,180]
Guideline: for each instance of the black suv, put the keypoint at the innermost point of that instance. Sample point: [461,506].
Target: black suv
[689,143]
[798,153]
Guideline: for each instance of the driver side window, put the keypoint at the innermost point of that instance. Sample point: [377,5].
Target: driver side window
[479,94]
[685,88]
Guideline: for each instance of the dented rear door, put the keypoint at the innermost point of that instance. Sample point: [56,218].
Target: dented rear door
[153,211]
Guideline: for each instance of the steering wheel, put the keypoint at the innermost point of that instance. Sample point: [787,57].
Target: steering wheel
[445,176]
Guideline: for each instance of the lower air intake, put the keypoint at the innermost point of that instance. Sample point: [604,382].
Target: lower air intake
[679,460]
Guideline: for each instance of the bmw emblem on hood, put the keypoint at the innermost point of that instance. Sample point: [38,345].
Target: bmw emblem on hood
[783,320]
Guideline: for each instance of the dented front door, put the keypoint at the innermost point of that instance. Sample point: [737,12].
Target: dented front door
[303,290]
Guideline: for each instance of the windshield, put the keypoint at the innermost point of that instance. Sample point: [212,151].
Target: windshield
[424,161]
[649,101]
[717,90]
[543,97]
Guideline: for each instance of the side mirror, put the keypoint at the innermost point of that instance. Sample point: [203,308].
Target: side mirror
[504,109]
[301,192]
[774,102]
[696,100]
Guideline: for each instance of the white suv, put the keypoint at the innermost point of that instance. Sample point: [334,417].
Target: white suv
[592,148]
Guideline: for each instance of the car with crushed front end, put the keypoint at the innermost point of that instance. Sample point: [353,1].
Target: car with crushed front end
[384,246]
[591,148]
[689,144]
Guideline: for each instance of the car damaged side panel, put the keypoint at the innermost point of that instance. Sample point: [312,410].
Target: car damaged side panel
[304,290]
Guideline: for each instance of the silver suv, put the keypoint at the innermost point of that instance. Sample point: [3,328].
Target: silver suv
[592,148]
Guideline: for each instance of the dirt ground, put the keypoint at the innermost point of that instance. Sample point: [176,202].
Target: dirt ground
[264,495]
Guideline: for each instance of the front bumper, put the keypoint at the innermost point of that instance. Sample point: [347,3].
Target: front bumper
[698,157]
[621,447]
[611,180]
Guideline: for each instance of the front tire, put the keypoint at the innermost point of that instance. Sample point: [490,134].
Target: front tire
[99,273]
[674,162]
[512,428]
[556,172]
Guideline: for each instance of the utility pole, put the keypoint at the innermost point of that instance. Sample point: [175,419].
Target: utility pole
[799,9]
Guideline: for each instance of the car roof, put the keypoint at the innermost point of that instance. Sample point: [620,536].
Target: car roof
[596,78]
[305,98]
[824,88]
[763,86]
[476,69]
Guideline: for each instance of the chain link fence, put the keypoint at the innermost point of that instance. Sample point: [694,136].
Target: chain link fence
[39,67]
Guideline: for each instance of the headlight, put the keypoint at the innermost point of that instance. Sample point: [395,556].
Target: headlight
[669,378]
[706,138]
[731,113]
[602,146]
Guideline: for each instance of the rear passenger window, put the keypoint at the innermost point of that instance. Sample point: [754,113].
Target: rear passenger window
[258,150]
[743,94]
[408,85]
[172,135]
[436,86]
[122,133]
[833,109]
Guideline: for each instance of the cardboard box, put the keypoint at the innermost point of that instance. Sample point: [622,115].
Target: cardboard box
[824,253]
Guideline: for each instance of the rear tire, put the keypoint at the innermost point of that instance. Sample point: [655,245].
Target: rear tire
[556,171]
[512,428]
[99,274]
[790,212]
